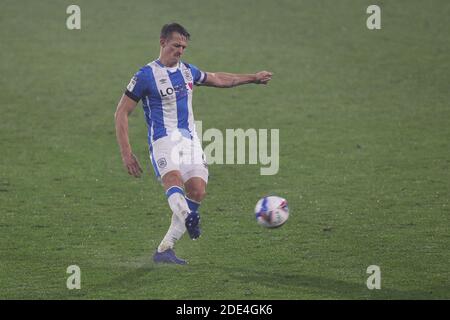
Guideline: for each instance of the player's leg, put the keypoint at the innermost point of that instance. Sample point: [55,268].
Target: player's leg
[195,175]
[173,186]
[195,192]
[167,168]
[195,178]
[177,201]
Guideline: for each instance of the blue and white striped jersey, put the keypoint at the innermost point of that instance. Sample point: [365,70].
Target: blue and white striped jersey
[166,97]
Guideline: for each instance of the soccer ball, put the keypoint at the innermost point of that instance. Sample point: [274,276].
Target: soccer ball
[272,211]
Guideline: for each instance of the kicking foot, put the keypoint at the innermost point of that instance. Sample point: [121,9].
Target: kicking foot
[192,225]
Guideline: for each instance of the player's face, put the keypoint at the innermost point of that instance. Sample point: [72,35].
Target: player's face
[173,48]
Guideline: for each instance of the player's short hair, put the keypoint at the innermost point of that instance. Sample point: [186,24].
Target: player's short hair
[167,30]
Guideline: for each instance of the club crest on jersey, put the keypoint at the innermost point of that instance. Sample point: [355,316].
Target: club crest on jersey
[187,75]
[190,85]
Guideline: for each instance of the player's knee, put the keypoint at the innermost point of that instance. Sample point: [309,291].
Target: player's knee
[172,178]
[197,194]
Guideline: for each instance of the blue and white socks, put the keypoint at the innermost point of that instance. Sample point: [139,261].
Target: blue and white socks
[193,205]
[177,202]
[181,206]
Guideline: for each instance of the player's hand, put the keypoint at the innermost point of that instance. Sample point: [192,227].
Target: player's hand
[132,165]
[263,77]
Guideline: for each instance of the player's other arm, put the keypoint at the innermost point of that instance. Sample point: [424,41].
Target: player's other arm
[229,80]
[124,108]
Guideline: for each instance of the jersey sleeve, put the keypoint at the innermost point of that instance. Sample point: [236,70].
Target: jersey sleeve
[138,86]
[199,76]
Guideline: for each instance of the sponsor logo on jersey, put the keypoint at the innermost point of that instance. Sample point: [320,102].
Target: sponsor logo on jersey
[167,92]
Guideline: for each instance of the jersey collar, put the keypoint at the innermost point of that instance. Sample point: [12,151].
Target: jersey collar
[163,66]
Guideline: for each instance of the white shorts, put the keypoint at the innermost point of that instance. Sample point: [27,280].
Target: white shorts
[176,152]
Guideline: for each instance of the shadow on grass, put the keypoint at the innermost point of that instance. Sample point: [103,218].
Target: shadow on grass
[324,287]
[297,286]
[132,283]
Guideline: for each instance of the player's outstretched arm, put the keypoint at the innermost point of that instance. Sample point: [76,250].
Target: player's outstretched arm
[229,80]
[124,108]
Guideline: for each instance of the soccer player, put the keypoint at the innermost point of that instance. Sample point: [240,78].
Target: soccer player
[165,87]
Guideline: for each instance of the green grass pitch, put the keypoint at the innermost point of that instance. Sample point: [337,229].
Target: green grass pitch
[364,120]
